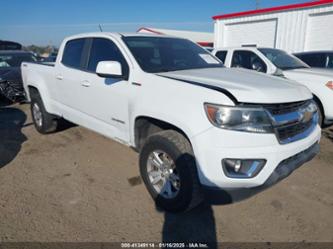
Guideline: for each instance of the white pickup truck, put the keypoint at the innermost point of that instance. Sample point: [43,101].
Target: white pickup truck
[279,63]
[202,130]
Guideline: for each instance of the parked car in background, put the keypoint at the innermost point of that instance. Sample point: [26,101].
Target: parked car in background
[201,129]
[279,63]
[11,85]
[52,57]
[9,45]
[320,59]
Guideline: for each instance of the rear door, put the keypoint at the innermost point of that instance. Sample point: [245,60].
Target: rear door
[68,76]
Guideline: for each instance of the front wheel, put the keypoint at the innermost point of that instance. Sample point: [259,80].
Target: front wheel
[168,169]
[320,113]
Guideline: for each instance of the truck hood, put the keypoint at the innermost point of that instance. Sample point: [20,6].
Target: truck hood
[245,85]
[310,77]
[310,72]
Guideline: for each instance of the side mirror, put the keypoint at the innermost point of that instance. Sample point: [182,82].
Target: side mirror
[109,69]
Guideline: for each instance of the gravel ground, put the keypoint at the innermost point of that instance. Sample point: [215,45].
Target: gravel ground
[76,185]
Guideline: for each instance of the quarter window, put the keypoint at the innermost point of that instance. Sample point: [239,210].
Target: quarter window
[221,55]
[73,53]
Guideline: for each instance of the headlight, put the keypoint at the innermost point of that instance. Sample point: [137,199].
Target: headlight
[239,118]
[330,85]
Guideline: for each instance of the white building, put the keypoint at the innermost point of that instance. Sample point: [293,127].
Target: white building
[295,28]
[202,38]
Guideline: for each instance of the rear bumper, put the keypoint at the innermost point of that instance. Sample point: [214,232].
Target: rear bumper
[216,195]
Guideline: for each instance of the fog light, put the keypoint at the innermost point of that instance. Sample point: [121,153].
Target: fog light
[242,168]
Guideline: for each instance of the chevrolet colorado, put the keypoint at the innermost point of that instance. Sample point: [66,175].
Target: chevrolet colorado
[202,130]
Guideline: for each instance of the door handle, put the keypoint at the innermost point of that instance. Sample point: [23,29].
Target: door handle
[59,77]
[85,83]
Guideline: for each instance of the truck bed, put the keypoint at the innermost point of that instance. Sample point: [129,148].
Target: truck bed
[40,72]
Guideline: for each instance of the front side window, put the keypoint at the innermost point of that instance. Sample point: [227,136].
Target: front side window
[248,60]
[105,50]
[282,59]
[15,60]
[73,51]
[221,55]
[162,54]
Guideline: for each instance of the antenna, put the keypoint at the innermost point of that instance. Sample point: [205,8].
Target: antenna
[257,4]
[100,28]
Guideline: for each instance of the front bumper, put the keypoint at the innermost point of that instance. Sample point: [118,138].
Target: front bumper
[12,90]
[285,168]
[214,145]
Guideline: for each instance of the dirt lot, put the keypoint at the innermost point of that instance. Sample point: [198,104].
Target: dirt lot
[76,185]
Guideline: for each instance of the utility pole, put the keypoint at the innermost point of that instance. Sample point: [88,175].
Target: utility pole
[257,4]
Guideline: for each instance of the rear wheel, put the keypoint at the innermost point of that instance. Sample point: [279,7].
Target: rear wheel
[44,122]
[168,169]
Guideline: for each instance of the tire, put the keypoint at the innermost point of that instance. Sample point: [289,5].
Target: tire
[320,113]
[44,122]
[187,193]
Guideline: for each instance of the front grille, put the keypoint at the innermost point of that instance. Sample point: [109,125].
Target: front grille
[279,109]
[291,121]
[291,130]
[286,132]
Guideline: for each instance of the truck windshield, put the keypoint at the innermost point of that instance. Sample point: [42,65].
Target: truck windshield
[282,59]
[14,60]
[162,54]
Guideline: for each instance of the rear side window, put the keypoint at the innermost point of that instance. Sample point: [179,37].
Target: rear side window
[249,60]
[221,55]
[73,51]
[314,60]
[105,50]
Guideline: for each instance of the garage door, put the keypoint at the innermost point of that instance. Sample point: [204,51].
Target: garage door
[320,32]
[261,33]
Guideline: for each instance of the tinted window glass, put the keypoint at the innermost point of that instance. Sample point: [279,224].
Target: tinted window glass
[330,61]
[314,60]
[15,60]
[73,53]
[105,50]
[281,59]
[221,55]
[155,54]
[249,60]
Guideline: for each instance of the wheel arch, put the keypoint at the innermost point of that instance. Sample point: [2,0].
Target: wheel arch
[145,126]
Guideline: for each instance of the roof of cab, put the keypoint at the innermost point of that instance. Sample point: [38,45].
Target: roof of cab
[14,52]
[112,34]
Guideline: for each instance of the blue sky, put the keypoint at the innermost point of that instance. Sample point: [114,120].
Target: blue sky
[43,22]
